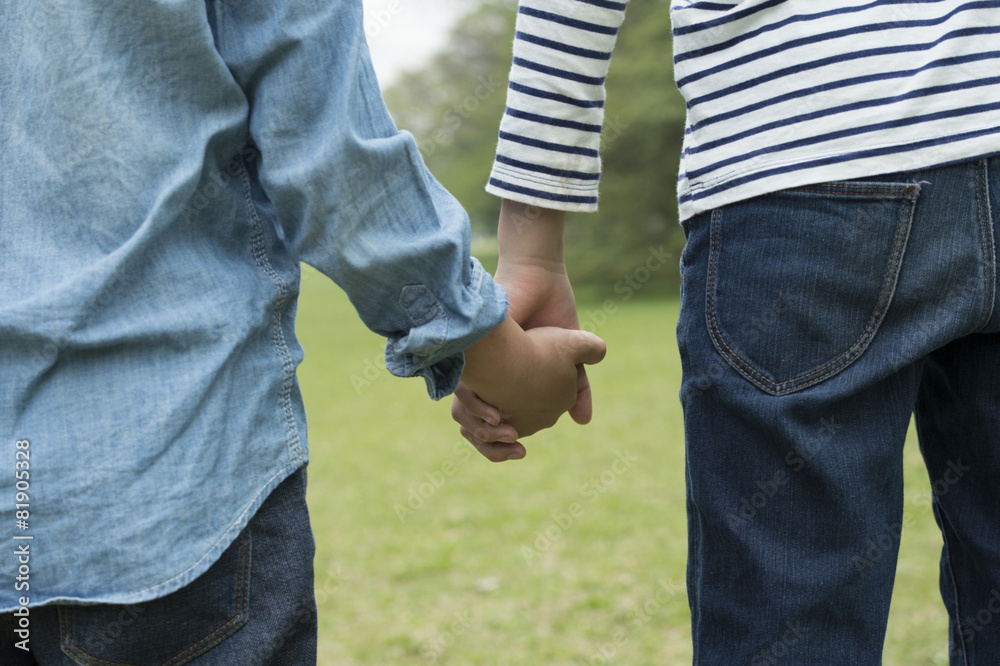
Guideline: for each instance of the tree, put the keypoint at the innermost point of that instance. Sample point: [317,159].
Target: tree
[454,106]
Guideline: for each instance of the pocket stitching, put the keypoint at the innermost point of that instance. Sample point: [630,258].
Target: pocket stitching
[987,241]
[857,348]
[235,622]
[66,626]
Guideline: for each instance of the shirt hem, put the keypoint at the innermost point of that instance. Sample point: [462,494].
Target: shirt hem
[193,572]
[926,158]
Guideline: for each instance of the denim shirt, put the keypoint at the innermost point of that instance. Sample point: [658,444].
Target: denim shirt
[165,167]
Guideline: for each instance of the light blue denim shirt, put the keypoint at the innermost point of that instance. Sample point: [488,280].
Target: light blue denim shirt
[164,167]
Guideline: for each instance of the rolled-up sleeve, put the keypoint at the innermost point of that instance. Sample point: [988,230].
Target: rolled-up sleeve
[352,195]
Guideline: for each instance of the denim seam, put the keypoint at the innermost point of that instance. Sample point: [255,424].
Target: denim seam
[851,190]
[954,586]
[759,379]
[277,335]
[235,622]
[987,241]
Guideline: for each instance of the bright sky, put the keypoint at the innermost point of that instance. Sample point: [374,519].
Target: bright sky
[404,34]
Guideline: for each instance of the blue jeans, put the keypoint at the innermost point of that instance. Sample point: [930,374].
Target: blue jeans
[813,323]
[254,606]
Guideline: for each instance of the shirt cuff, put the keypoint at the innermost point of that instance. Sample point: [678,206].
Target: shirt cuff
[534,189]
[434,348]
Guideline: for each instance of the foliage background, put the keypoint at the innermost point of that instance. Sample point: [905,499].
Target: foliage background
[453,107]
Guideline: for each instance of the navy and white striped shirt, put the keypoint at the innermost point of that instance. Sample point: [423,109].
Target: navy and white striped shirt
[784,93]
[551,132]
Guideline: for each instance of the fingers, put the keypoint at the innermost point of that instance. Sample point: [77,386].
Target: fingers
[495,451]
[481,430]
[589,348]
[480,424]
[476,406]
[583,410]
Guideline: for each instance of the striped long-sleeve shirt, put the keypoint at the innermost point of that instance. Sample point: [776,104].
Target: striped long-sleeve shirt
[551,131]
[785,93]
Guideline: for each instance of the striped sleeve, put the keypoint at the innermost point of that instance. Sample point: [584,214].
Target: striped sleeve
[548,150]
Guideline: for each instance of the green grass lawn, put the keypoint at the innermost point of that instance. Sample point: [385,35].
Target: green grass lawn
[429,554]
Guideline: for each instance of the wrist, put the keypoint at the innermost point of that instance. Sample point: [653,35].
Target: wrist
[531,235]
[490,355]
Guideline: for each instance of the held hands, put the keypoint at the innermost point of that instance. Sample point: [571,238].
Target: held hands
[533,272]
[530,376]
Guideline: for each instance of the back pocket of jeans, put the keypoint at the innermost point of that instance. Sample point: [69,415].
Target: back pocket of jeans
[800,280]
[167,631]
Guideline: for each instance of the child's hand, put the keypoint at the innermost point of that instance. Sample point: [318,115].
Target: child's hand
[530,376]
